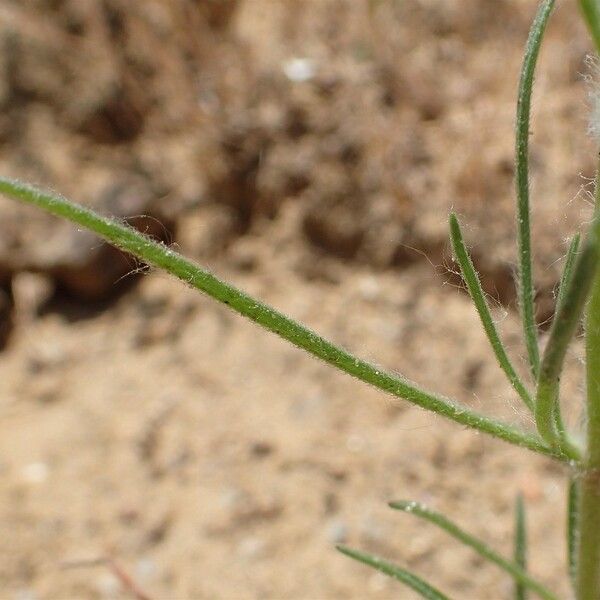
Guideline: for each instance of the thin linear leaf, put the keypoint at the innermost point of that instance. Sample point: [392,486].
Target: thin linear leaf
[565,279]
[572,529]
[409,579]
[158,255]
[559,424]
[564,326]
[567,270]
[520,545]
[476,292]
[591,14]
[525,270]
[514,570]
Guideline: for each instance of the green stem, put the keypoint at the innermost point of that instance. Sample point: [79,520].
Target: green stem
[158,255]
[588,562]
[591,14]
[526,293]
[572,529]
[476,292]
[588,552]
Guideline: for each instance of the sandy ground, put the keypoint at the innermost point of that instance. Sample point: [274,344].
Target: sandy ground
[311,158]
[213,461]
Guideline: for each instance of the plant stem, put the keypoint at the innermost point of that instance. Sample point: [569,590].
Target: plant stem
[572,529]
[588,563]
[525,283]
[588,557]
[158,255]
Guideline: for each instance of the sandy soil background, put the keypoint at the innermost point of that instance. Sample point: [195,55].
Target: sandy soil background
[308,151]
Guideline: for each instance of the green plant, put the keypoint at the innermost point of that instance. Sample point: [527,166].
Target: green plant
[579,297]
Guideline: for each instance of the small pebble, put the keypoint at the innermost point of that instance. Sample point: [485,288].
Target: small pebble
[251,547]
[145,569]
[337,531]
[35,473]
[299,70]
[232,498]
[31,291]
[369,288]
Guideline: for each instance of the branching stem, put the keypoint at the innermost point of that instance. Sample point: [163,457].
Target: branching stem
[158,255]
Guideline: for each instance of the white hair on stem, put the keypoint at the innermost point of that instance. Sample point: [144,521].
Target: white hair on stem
[592,79]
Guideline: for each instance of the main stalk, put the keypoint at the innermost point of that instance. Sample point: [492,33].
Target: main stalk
[588,563]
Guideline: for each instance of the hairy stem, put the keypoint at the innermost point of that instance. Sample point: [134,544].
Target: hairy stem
[572,529]
[158,255]
[588,561]
[588,555]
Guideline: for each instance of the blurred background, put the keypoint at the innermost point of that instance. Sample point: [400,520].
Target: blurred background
[308,151]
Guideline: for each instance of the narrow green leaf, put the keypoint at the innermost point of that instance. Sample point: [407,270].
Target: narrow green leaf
[513,569]
[591,15]
[158,255]
[577,286]
[409,579]
[525,273]
[520,545]
[573,529]
[567,273]
[565,279]
[476,292]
